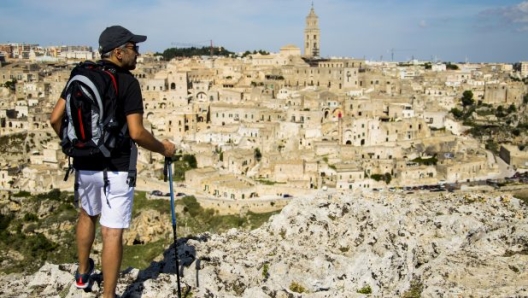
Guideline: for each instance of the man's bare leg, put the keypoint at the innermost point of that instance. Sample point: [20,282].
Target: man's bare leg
[111,259]
[85,237]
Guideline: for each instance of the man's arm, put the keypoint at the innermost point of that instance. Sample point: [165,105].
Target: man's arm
[145,139]
[57,114]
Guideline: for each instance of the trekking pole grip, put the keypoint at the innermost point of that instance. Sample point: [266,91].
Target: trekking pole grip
[166,166]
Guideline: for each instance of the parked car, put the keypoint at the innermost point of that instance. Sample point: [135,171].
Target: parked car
[156,193]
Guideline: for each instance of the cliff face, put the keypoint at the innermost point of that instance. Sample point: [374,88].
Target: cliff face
[338,245]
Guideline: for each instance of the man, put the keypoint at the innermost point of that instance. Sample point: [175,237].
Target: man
[119,50]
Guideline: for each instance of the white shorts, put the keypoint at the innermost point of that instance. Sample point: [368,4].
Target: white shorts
[115,207]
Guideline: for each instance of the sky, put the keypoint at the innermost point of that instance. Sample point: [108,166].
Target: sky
[390,30]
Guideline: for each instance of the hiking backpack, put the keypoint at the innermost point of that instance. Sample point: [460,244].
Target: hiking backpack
[90,126]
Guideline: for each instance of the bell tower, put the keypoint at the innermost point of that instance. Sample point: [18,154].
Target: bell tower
[312,35]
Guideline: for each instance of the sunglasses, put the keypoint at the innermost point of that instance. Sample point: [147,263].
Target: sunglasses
[135,48]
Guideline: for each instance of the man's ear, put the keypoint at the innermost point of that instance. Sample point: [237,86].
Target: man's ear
[118,53]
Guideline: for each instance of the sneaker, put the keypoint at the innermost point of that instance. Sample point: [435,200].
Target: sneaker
[82,281]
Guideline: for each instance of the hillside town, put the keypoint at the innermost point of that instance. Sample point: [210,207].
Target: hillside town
[276,125]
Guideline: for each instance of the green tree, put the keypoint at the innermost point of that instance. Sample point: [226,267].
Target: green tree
[467,98]
[258,155]
[451,66]
[500,112]
[458,114]
[388,178]
[190,160]
[194,51]
[11,84]
[377,177]
[512,109]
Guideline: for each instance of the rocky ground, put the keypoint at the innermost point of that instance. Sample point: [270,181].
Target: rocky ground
[337,245]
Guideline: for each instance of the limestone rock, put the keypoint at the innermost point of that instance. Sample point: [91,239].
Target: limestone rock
[337,245]
[148,226]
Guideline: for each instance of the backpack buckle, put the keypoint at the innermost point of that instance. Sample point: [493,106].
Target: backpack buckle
[131,179]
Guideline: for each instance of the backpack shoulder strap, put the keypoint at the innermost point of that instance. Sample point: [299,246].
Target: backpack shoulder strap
[111,70]
[114,81]
[132,172]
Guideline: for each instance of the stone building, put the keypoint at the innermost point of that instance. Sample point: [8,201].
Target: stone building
[466,169]
[522,68]
[288,170]
[409,173]
[435,119]
[514,157]
[194,177]
[8,174]
[238,161]
[504,93]
[350,176]
[229,187]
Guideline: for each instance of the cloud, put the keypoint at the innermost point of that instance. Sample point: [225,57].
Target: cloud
[517,13]
[515,16]
[423,24]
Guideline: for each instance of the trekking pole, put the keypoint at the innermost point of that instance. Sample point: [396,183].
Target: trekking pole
[168,169]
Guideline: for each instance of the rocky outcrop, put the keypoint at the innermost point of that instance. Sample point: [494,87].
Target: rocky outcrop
[148,226]
[339,245]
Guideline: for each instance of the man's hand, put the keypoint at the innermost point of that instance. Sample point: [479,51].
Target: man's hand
[169,149]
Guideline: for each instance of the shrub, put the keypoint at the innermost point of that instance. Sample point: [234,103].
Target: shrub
[282,233]
[22,194]
[376,177]
[265,270]
[30,228]
[458,114]
[296,287]
[415,291]
[426,161]
[190,160]
[54,195]
[5,220]
[365,290]
[30,217]
[191,206]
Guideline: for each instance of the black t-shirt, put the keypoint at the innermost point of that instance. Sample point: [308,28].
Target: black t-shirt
[129,101]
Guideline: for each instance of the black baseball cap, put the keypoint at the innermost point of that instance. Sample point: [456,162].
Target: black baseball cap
[115,36]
